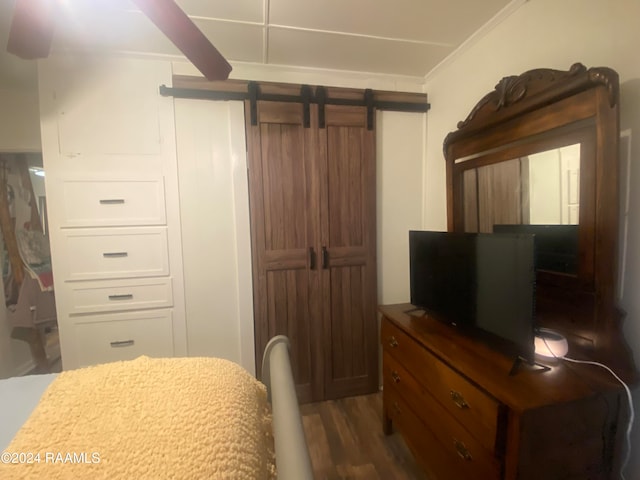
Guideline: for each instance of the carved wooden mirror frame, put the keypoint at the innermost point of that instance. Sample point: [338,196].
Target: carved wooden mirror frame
[536,111]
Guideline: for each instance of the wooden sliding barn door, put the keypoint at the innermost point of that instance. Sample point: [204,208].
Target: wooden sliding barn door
[282,207]
[348,233]
[312,201]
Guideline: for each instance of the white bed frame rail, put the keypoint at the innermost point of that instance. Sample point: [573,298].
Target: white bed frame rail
[292,455]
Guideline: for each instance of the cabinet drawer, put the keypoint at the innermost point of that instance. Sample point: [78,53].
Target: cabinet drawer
[96,254]
[110,338]
[102,203]
[480,413]
[116,295]
[438,441]
[421,441]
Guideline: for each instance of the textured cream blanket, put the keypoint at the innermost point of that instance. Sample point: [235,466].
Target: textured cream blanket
[179,418]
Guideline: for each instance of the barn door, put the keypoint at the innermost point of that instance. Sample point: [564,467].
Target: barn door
[348,232]
[312,200]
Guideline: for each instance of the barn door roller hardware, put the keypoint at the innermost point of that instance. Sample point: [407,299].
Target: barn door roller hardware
[199,88]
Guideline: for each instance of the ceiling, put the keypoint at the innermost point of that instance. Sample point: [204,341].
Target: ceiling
[400,37]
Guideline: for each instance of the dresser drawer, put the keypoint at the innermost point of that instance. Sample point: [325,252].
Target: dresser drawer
[396,378]
[469,405]
[110,338]
[96,254]
[117,295]
[421,441]
[437,441]
[102,203]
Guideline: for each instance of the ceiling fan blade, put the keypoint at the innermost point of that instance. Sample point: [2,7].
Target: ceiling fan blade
[32,28]
[185,35]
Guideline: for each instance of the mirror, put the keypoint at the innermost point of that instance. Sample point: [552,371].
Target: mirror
[539,154]
[538,194]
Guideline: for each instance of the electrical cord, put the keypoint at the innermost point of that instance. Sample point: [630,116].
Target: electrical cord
[631,411]
[629,398]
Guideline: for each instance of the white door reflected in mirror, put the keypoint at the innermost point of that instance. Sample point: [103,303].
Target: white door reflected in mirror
[554,186]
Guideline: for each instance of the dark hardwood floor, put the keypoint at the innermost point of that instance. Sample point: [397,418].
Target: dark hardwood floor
[345,441]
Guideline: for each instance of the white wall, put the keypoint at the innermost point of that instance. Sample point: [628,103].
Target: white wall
[216,246]
[19,121]
[554,34]
[544,188]
[400,144]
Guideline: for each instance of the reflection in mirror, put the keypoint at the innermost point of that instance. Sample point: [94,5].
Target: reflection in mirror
[25,259]
[542,189]
[538,193]
[554,186]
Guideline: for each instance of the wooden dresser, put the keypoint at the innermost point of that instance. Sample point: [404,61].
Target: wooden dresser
[463,416]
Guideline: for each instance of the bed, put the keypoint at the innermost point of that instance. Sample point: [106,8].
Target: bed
[156,418]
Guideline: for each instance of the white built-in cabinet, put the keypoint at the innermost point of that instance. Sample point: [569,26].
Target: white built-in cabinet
[113,209]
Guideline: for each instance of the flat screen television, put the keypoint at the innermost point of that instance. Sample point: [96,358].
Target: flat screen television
[482,283]
[556,245]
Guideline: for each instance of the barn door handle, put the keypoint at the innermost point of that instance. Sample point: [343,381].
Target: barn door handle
[325,257]
[312,258]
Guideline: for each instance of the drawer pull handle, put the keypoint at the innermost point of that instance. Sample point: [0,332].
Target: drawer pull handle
[122,343]
[115,254]
[458,399]
[126,296]
[462,451]
[112,201]
[395,376]
[396,407]
[393,343]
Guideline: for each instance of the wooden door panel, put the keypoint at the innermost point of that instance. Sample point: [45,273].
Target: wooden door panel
[346,189]
[283,187]
[345,256]
[348,325]
[348,235]
[280,113]
[279,167]
[336,115]
[499,194]
[287,298]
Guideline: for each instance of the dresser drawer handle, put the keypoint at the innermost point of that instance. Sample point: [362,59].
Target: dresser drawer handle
[393,343]
[396,407]
[461,450]
[395,376]
[112,201]
[125,296]
[115,254]
[458,399]
[122,343]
